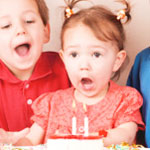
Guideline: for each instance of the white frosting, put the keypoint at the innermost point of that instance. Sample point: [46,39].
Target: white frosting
[74,144]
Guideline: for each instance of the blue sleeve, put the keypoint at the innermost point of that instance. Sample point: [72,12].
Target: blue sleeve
[139,78]
[133,78]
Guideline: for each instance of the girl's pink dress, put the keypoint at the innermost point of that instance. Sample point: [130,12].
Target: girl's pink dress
[54,112]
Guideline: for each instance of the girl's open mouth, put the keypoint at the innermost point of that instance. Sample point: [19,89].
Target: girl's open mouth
[87,83]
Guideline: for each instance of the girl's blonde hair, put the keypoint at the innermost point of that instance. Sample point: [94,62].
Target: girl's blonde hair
[101,21]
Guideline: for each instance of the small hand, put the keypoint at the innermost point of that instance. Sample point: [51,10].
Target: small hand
[8,137]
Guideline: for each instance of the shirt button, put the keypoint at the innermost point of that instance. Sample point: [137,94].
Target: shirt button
[29,101]
[27,86]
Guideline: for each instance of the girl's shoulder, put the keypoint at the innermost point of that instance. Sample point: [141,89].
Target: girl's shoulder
[125,92]
[47,101]
[54,97]
[122,88]
[63,94]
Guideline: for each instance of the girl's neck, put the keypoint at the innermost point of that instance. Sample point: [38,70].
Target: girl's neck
[90,100]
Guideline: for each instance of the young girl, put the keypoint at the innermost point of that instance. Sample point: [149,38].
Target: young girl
[92,50]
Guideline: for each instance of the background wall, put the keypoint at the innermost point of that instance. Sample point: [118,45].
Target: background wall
[137,30]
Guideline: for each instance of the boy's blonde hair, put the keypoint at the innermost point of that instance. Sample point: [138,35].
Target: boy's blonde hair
[43,10]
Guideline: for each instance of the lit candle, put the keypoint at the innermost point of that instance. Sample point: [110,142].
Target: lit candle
[74,125]
[86,126]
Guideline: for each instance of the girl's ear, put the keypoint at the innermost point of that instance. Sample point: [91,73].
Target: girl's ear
[121,55]
[47,33]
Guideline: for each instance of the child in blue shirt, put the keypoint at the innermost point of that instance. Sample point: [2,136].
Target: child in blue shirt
[139,78]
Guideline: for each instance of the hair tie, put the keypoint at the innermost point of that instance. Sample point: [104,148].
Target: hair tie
[68,12]
[121,14]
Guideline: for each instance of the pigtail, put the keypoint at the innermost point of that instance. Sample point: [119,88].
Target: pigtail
[124,12]
[69,8]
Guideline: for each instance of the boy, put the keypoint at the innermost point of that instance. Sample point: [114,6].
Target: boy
[26,72]
[139,78]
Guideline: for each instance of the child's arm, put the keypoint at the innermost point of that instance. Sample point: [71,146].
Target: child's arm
[34,137]
[123,133]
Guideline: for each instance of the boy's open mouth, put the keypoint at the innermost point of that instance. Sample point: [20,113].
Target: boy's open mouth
[23,49]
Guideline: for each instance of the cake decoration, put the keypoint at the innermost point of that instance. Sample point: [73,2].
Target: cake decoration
[125,146]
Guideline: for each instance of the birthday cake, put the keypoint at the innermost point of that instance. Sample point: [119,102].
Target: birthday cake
[75,143]
[63,143]
[71,143]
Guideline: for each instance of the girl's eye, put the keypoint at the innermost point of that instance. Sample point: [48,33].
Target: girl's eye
[74,54]
[96,54]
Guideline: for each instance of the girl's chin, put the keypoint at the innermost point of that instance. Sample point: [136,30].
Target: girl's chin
[88,94]
[87,87]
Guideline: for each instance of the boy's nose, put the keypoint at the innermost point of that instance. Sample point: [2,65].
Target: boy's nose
[20,30]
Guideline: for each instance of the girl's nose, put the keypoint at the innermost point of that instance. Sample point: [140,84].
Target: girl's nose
[84,64]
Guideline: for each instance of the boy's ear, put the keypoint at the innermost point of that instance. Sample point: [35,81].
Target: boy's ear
[47,33]
[121,55]
[61,54]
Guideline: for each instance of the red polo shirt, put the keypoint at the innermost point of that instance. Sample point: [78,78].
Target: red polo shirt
[16,96]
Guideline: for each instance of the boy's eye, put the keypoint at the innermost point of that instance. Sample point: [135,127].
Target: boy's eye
[5,26]
[29,21]
[96,54]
